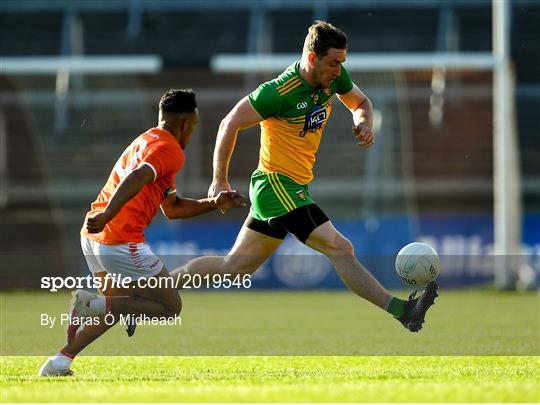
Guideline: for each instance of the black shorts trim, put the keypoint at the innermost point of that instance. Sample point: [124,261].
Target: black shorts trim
[300,222]
[263,227]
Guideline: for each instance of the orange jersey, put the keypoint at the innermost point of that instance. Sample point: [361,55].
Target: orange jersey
[158,149]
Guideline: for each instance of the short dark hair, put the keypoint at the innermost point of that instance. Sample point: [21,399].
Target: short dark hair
[178,101]
[323,36]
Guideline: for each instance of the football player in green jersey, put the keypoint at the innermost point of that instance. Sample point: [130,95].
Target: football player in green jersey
[292,111]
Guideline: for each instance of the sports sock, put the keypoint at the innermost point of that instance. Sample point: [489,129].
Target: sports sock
[395,306]
[61,360]
[97,306]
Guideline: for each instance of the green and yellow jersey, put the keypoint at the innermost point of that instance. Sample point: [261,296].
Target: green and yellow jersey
[295,115]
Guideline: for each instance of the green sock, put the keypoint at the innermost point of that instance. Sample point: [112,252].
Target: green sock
[395,306]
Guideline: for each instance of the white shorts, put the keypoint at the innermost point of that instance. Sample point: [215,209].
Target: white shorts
[134,260]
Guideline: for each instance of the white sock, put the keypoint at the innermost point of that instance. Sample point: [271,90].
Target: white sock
[97,306]
[388,303]
[61,361]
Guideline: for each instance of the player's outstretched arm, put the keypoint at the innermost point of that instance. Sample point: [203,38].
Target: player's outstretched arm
[362,111]
[126,190]
[175,207]
[242,116]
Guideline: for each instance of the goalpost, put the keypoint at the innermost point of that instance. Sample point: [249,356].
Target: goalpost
[506,171]
[507,179]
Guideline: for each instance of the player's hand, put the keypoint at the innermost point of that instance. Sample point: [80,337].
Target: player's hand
[96,223]
[217,187]
[230,199]
[364,134]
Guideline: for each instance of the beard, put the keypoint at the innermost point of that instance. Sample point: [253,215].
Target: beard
[322,82]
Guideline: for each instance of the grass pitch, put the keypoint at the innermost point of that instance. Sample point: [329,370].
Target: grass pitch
[277,378]
[477,346]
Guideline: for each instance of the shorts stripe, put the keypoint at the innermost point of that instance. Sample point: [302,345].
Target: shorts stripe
[135,258]
[286,197]
[278,193]
[282,188]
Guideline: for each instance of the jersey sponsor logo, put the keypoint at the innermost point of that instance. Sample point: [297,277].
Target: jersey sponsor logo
[314,120]
[301,195]
[302,105]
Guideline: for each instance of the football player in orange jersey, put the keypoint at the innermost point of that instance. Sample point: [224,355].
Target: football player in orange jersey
[112,237]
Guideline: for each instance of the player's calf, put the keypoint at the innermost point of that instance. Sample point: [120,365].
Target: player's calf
[80,309]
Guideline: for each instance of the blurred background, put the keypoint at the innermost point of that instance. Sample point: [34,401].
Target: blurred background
[80,79]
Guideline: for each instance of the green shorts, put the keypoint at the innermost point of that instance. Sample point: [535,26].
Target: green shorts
[273,195]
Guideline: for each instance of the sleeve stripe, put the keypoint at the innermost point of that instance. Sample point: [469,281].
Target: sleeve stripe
[294,86]
[287,85]
[151,167]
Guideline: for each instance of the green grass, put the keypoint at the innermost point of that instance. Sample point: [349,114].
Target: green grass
[293,323]
[279,379]
[477,346]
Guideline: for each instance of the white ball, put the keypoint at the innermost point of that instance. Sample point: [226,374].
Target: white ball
[417,264]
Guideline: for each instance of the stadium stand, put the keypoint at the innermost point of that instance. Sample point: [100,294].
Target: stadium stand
[30,231]
[105,112]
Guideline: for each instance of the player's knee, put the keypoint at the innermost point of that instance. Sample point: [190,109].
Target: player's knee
[174,308]
[340,246]
[344,246]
